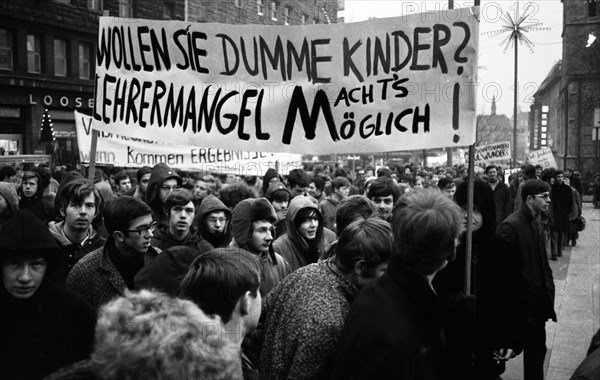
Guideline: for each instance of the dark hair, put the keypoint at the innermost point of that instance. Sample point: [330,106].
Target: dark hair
[282,195]
[382,187]
[533,187]
[6,172]
[298,177]
[141,171]
[75,191]
[489,167]
[425,226]
[340,172]
[179,197]
[120,176]
[557,172]
[319,182]
[120,212]
[445,182]
[548,174]
[304,214]
[384,172]
[340,182]
[218,278]
[233,194]
[365,239]
[352,208]
[528,170]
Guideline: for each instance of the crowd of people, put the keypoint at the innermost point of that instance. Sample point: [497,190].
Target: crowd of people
[315,273]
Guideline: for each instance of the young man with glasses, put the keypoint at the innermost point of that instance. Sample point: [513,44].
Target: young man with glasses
[523,285]
[163,180]
[108,271]
[214,222]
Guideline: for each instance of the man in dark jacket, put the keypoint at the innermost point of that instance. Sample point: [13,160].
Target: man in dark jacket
[43,327]
[524,287]
[108,271]
[32,195]
[562,206]
[504,204]
[163,181]
[395,328]
[180,206]
[79,203]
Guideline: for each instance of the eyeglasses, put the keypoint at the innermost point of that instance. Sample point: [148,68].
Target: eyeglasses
[169,188]
[215,220]
[545,196]
[143,230]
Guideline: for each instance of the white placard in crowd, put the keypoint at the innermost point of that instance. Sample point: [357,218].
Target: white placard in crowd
[381,85]
[543,157]
[491,152]
[132,152]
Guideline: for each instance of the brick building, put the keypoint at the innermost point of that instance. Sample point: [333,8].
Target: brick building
[571,92]
[48,47]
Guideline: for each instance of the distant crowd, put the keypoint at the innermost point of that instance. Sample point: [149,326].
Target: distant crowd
[318,273]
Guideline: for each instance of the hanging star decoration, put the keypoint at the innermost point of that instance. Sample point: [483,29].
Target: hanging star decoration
[47,132]
[516,27]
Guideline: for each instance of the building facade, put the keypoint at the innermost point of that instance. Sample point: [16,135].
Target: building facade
[580,85]
[48,50]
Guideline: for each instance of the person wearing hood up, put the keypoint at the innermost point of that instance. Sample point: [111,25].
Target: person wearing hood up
[79,203]
[163,181]
[43,326]
[306,239]
[214,222]
[252,226]
[9,201]
[279,196]
[32,195]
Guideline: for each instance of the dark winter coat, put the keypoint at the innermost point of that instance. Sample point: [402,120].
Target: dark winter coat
[328,210]
[211,204]
[305,315]
[562,203]
[395,330]
[293,247]
[167,270]
[502,201]
[96,278]
[72,252]
[52,328]
[273,266]
[523,285]
[9,193]
[163,239]
[41,207]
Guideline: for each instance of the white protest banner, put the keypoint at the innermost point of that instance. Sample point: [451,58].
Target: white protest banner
[133,152]
[543,157]
[491,152]
[374,86]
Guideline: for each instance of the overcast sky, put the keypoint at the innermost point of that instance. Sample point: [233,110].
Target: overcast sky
[496,67]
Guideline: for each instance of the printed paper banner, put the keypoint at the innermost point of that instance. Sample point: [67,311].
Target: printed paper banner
[381,85]
[133,152]
[543,157]
[491,152]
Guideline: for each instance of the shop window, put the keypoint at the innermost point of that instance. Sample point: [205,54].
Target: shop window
[125,8]
[274,10]
[95,5]
[260,7]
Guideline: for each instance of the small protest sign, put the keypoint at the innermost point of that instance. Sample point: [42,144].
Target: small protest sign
[543,157]
[491,152]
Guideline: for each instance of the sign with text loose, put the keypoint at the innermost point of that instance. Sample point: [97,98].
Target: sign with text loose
[543,157]
[134,152]
[491,152]
[374,86]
